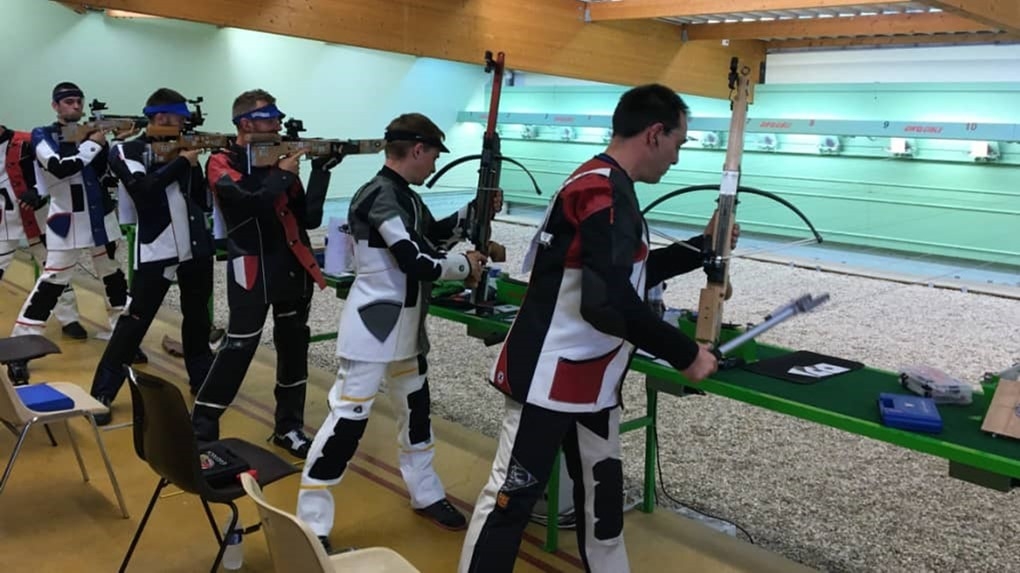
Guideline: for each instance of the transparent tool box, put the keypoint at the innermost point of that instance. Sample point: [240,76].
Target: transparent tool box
[933,383]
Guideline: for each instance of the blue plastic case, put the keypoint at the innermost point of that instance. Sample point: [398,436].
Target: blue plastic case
[906,412]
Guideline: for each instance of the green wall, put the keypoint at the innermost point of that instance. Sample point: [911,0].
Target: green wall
[940,202]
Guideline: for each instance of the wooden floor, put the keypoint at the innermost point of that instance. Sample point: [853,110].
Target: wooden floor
[51,521]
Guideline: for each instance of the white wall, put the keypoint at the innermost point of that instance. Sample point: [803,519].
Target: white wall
[991,63]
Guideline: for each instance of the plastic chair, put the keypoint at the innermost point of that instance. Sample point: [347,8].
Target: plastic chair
[164,439]
[294,548]
[16,415]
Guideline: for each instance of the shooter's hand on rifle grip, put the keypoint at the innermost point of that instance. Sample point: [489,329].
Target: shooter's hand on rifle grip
[98,136]
[497,252]
[290,162]
[476,261]
[191,155]
[704,365]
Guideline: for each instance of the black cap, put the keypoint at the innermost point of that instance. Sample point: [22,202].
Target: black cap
[404,135]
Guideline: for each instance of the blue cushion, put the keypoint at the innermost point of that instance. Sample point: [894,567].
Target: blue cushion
[43,398]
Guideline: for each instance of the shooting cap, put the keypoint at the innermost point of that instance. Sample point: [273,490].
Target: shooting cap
[180,108]
[406,135]
[65,90]
[269,111]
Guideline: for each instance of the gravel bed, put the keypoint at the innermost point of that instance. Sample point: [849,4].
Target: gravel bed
[817,495]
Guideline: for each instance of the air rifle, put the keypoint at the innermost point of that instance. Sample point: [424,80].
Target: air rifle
[100,121]
[479,219]
[186,137]
[717,254]
[266,149]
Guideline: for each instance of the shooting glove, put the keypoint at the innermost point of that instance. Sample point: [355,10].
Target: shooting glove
[31,198]
[326,163]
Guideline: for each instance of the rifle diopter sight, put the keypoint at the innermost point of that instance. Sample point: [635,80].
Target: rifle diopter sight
[293,127]
[197,119]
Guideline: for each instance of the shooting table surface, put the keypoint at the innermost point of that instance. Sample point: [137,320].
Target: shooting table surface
[847,402]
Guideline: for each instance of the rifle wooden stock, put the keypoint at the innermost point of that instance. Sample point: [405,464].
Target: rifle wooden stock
[164,151]
[79,132]
[267,149]
[715,292]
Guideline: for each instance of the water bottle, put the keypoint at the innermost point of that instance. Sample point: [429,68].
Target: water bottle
[233,555]
[490,284]
[654,300]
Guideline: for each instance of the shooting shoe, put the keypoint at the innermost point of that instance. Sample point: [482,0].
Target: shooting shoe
[443,514]
[74,330]
[106,417]
[295,441]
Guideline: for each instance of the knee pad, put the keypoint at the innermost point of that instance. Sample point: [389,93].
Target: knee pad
[116,288]
[418,426]
[43,300]
[608,507]
[338,450]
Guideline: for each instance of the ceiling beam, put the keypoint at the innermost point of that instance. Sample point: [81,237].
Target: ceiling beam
[994,38]
[544,36]
[647,9]
[1000,14]
[885,25]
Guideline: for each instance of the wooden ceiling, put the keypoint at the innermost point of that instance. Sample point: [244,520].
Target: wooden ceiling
[826,24]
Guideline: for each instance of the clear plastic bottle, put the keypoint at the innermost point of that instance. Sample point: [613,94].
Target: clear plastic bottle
[233,556]
[654,299]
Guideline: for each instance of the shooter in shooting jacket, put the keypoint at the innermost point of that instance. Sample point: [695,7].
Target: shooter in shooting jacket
[169,199]
[81,213]
[24,218]
[400,249]
[267,214]
[570,346]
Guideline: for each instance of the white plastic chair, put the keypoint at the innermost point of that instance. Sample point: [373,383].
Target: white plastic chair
[15,415]
[294,548]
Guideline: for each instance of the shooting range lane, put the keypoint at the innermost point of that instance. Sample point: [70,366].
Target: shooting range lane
[814,494]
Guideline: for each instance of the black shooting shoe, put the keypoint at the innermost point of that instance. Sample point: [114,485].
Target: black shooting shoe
[443,514]
[105,418]
[74,330]
[295,441]
[140,357]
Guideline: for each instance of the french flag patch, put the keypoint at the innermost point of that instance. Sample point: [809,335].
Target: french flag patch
[246,269]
